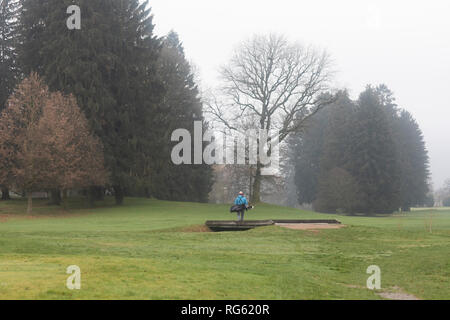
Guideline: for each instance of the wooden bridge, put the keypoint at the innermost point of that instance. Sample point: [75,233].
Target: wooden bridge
[232,225]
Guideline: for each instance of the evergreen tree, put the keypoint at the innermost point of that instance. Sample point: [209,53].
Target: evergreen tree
[9,73]
[337,187]
[371,153]
[337,137]
[109,66]
[133,94]
[374,160]
[413,158]
[414,161]
[338,191]
[9,14]
[307,151]
[321,148]
[180,107]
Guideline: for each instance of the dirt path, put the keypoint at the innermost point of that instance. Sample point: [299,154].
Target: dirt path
[393,293]
[397,293]
[397,296]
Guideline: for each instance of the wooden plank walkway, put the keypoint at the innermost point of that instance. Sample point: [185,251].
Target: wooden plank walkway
[233,225]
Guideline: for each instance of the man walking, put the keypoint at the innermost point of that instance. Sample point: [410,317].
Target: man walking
[241,201]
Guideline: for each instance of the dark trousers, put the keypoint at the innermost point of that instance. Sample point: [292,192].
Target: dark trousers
[240,215]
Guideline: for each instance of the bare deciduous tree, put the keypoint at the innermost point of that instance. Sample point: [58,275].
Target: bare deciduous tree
[20,157]
[276,82]
[74,155]
[45,142]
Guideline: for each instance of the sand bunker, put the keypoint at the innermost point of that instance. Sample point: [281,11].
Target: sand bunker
[310,226]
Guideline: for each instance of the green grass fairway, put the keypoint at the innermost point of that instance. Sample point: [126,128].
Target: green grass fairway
[150,249]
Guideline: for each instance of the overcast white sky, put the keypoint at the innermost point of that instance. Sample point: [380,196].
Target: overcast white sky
[404,44]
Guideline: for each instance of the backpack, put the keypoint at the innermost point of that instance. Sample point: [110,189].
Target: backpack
[241,201]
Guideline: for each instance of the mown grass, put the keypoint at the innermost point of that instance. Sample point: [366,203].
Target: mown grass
[150,249]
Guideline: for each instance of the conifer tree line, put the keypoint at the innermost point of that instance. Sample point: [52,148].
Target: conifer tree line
[133,88]
[363,156]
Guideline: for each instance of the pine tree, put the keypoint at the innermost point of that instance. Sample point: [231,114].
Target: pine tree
[9,72]
[321,148]
[337,187]
[372,157]
[9,14]
[109,67]
[180,107]
[374,161]
[413,162]
[413,158]
[307,151]
[133,95]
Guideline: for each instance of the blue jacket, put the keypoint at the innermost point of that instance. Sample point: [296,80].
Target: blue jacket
[240,200]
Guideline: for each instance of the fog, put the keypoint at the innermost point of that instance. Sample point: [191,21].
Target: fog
[404,44]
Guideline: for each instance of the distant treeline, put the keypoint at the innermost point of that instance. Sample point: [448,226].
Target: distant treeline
[363,156]
[133,87]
